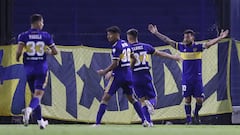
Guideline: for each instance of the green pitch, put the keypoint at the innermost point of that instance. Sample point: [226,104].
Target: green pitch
[120,130]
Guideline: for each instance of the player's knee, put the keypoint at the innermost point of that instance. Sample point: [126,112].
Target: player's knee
[199,100]
[38,93]
[131,99]
[106,97]
[188,100]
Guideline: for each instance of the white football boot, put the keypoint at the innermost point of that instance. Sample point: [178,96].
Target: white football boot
[26,115]
[42,123]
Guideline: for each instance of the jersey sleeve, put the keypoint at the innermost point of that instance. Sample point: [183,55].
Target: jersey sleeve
[150,49]
[177,45]
[49,40]
[201,47]
[116,52]
[21,38]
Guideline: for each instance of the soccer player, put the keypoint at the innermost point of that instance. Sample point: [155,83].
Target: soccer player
[142,79]
[35,41]
[191,53]
[121,74]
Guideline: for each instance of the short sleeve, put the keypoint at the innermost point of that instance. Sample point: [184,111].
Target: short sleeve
[150,49]
[116,52]
[21,39]
[49,40]
[201,47]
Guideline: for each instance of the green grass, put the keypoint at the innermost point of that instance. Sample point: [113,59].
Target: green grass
[120,130]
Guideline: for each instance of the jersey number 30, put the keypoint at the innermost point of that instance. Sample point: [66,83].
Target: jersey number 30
[34,48]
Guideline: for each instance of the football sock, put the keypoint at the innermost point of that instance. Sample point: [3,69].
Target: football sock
[34,102]
[37,113]
[197,108]
[101,111]
[188,112]
[138,109]
[146,113]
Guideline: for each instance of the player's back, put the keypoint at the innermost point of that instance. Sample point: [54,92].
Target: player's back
[36,42]
[141,53]
[122,51]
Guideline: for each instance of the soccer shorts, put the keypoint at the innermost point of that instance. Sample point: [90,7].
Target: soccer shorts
[36,77]
[116,82]
[193,87]
[143,86]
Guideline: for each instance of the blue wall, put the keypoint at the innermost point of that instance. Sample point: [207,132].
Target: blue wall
[75,22]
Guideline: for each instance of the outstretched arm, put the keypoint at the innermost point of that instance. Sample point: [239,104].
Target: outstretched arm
[212,42]
[167,55]
[153,29]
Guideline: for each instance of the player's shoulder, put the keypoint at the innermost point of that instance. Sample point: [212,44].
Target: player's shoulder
[23,33]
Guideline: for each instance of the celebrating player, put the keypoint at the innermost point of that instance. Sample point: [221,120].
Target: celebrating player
[121,74]
[35,41]
[191,53]
[142,80]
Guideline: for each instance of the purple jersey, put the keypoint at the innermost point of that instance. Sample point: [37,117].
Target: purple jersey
[34,59]
[192,69]
[35,42]
[121,51]
[142,79]
[122,74]
[141,52]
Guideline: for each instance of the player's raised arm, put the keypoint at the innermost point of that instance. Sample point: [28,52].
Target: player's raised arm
[19,51]
[167,55]
[153,29]
[113,65]
[212,42]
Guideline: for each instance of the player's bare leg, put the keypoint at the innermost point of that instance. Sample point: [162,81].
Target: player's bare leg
[199,101]
[136,106]
[188,110]
[102,108]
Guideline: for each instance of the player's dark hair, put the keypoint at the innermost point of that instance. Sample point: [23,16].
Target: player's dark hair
[113,29]
[35,18]
[133,32]
[189,31]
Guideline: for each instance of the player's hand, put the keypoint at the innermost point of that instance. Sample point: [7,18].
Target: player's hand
[108,75]
[49,51]
[223,34]
[178,58]
[101,72]
[152,28]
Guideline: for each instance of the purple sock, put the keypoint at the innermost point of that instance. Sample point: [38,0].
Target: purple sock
[197,108]
[146,114]
[37,113]
[153,101]
[188,112]
[101,111]
[34,103]
[138,109]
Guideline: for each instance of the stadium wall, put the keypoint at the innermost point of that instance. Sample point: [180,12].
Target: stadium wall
[74,90]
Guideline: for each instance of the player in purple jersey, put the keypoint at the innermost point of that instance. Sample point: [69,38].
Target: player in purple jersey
[121,76]
[191,53]
[142,79]
[37,44]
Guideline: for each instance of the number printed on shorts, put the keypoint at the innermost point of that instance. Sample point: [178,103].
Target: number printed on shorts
[184,87]
[34,48]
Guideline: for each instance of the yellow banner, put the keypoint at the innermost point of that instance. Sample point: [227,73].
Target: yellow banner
[74,89]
